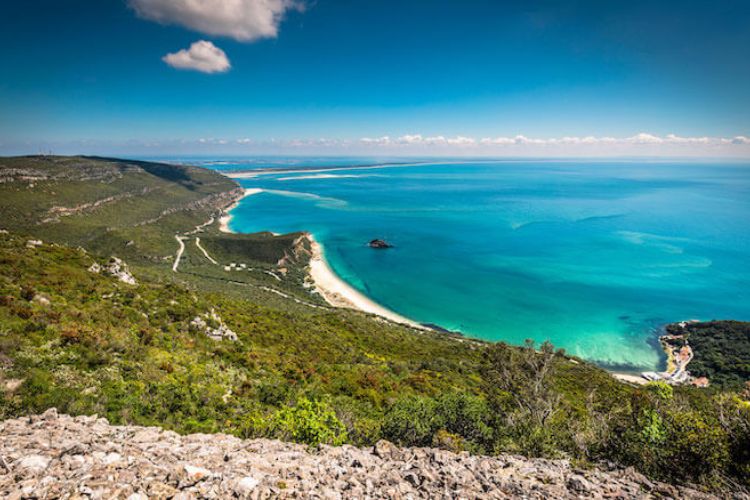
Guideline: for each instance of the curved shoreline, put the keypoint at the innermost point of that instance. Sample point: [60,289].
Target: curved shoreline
[227,217]
[338,293]
[334,290]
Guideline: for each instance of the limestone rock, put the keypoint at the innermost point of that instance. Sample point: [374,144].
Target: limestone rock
[212,326]
[34,464]
[58,456]
[116,268]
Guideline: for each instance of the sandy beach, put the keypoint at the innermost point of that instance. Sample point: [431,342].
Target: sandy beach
[339,293]
[628,377]
[333,289]
[224,219]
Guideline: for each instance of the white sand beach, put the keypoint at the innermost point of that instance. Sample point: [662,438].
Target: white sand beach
[339,293]
[333,289]
[224,219]
[628,377]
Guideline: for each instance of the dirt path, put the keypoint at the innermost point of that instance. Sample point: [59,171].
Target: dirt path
[180,240]
[198,244]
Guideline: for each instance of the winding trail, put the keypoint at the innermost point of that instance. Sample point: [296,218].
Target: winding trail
[180,240]
[198,244]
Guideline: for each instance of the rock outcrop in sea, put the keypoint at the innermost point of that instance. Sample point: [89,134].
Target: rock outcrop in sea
[59,456]
[379,244]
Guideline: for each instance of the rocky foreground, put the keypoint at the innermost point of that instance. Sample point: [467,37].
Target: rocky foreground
[52,456]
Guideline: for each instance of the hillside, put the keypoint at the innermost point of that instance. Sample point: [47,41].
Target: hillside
[136,210]
[86,455]
[721,351]
[251,352]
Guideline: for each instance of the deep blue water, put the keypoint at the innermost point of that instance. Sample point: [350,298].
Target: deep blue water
[594,256]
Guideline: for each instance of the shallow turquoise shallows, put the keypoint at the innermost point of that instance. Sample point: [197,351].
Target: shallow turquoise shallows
[594,256]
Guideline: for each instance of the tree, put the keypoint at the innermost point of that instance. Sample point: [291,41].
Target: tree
[518,382]
[521,377]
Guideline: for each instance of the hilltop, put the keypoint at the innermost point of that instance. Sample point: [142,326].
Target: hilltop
[250,350]
[87,456]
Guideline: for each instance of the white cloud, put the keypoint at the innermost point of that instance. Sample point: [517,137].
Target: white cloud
[644,138]
[380,141]
[461,141]
[243,20]
[634,143]
[411,139]
[497,141]
[675,139]
[202,56]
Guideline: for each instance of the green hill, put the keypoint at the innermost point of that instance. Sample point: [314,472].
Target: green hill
[254,353]
[721,351]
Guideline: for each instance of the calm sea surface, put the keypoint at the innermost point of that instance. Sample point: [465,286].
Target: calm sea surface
[594,256]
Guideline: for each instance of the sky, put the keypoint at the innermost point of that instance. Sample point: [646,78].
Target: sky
[350,77]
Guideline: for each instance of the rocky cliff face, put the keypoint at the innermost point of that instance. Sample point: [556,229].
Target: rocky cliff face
[52,456]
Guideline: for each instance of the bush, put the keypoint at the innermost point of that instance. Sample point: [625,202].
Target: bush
[309,422]
[411,421]
[694,448]
[466,416]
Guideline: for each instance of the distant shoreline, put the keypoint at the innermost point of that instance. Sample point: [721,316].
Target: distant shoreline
[334,290]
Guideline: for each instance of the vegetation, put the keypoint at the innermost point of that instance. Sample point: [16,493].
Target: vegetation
[721,351]
[87,343]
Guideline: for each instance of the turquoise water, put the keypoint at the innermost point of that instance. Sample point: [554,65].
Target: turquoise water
[594,256]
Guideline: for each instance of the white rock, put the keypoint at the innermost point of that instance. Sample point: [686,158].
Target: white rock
[196,473]
[246,485]
[41,300]
[111,458]
[34,463]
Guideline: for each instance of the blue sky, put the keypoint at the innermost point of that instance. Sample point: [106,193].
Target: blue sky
[351,77]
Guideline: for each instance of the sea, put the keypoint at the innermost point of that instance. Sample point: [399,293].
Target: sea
[595,256]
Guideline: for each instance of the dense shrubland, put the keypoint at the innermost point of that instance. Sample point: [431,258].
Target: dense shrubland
[128,353]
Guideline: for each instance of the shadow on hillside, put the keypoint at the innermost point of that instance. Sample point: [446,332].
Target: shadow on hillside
[169,172]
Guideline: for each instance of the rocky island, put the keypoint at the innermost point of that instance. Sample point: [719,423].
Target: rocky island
[379,244]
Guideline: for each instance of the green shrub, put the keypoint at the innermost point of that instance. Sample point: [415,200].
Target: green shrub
[662,390]
[694,448]
[309,422]
[411,421]
[466,416]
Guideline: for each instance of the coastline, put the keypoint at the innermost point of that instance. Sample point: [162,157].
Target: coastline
[334,290]
[226,217]
[339,293]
